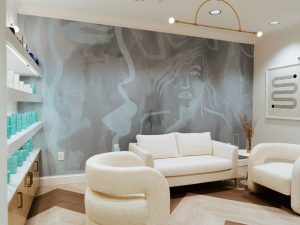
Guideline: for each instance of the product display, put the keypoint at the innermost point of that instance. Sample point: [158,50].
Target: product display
[22,95]
[19,122]
[13,124]
[18,158]
[8,128]
[13,81]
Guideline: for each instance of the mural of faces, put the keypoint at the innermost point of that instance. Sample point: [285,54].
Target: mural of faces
[103,85]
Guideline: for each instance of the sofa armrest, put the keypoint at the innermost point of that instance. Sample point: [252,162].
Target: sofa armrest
[143,154]
[227,151]
[295,187]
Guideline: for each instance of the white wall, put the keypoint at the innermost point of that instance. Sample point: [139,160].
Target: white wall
[277,49]
[11,12]
[3,186]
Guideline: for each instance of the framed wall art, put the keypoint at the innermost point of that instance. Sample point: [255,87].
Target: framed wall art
[283,92]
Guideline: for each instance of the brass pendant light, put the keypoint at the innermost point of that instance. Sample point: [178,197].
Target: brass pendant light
[195,23]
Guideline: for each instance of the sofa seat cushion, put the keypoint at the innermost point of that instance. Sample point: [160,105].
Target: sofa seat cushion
[189,165]
[191,144]
[159,146]
[276,176]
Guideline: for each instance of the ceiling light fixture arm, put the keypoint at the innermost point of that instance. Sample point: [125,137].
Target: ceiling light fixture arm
[225,2]
[194,23]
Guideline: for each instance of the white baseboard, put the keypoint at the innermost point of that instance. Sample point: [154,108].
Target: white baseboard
[62,179]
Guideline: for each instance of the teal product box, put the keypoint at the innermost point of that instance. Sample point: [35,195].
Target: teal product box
[23,154]
[30,145]
[8,177]
[19,122]
[26,147]
[14,164]
[8,127]
[35,117]
[24,121]
[20,156]
[13,124]
[33,88]
[28,118]
[9,163]
[32,117]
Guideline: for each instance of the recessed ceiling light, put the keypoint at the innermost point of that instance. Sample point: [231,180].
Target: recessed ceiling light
[274,22]
[215,12]
[171,20]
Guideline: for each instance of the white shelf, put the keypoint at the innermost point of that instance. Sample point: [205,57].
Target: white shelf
[18,59]
[18,140]
[16,179]
[15,95]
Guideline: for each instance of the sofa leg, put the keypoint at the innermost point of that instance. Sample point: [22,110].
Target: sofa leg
[235,182]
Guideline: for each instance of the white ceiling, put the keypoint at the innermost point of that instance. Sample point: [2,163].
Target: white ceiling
[255,15]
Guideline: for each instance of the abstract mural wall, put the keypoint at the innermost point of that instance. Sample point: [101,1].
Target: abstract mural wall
[103,85]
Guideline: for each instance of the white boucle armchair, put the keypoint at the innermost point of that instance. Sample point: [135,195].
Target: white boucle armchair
[123,191]
[276,166]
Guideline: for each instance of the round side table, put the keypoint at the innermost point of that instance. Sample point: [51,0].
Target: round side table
[243,164]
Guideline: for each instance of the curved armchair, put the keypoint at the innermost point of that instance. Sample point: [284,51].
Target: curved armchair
[122,190]
[276,166]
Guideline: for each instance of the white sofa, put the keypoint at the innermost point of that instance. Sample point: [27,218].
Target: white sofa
[276,166]
[187,158]
[123,191]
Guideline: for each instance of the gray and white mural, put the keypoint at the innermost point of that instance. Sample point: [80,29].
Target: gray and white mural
[103,85]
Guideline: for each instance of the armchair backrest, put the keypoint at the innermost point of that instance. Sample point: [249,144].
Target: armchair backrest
[275,151]
[124,173]
[116,159]
[121,173]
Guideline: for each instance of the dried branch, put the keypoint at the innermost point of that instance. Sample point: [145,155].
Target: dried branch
[248,126]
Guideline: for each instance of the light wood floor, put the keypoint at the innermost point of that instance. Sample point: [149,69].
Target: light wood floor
[67,199]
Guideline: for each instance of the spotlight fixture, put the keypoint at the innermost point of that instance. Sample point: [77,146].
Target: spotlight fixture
[16,28]
[216,12]
[259,34]
[274,22]
[171,20]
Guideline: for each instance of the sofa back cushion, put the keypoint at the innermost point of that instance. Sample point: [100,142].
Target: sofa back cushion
[194,144]
[159,146]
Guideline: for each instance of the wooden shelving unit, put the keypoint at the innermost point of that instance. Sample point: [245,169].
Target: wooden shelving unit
[23,185]
[16,179]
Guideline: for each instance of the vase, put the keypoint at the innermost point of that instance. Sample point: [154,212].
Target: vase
[249,148]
